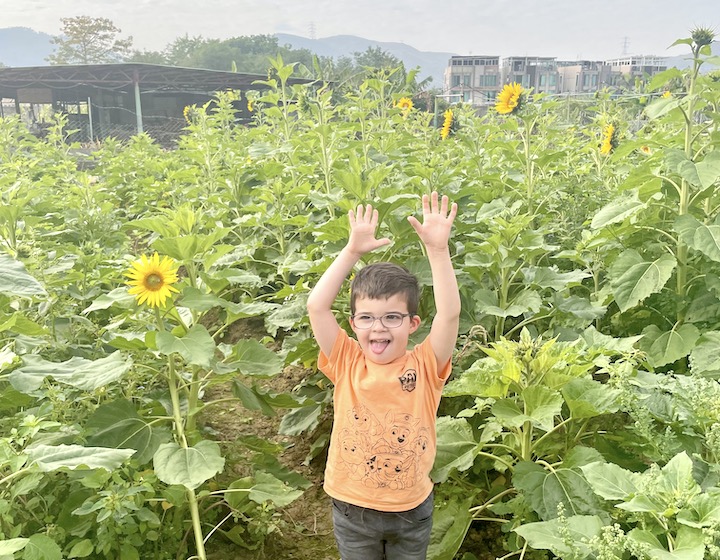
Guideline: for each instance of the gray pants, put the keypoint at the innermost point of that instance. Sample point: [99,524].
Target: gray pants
[368,534]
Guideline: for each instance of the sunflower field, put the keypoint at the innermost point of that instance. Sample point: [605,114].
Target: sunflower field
[582,419]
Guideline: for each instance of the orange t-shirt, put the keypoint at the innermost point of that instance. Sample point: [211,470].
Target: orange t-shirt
[383,441]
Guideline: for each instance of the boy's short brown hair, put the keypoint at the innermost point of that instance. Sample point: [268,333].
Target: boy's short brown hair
[383,280]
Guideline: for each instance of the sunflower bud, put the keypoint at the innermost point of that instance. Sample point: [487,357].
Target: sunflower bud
[702,36]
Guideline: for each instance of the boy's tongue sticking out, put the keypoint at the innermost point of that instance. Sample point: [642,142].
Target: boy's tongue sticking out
[378,346]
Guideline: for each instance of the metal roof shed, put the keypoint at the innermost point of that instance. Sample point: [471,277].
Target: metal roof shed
[124,96]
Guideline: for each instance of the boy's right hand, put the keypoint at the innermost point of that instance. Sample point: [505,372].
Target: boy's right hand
[363,224]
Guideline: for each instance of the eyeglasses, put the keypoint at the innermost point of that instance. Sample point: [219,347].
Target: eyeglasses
[389,320]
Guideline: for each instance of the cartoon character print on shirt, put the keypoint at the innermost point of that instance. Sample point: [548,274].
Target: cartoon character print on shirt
[408,380]
[382,454]
[354,448]
[363,421]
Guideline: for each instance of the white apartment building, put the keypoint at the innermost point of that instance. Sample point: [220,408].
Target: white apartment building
[473,79]
[478,79]
[536,72]
[584,76]
[637,66]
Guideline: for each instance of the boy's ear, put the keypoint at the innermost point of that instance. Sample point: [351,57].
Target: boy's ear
[414,323]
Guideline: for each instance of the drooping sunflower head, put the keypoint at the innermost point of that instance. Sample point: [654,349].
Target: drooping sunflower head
[151,279]
[609,139]
[449,124]
[510,99]
[405,104]
[188,112]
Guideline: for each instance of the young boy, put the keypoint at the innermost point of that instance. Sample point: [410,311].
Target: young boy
[386,398]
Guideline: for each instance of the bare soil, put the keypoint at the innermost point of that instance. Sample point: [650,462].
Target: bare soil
[305,526]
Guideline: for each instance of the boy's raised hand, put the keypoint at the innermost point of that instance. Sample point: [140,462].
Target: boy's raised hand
[434,231]
[363,224]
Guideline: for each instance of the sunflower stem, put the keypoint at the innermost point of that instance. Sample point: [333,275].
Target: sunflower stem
[179,428]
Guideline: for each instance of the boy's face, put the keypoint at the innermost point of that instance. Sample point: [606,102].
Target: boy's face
[379,343]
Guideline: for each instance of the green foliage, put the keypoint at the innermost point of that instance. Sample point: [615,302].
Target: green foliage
[89,40]
[589,343]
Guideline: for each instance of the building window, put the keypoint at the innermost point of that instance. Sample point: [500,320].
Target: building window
[466,80]
[466,96]
[455,80]
[552,80]
[489,80]
[543,80]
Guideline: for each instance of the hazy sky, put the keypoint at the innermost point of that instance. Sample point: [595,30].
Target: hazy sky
[567,29]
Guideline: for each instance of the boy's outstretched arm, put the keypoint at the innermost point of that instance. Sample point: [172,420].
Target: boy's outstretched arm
[363,224]
[434,232]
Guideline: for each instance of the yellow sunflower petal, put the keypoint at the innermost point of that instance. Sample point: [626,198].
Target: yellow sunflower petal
[151,279]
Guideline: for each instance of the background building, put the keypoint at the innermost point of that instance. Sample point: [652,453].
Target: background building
[473,79]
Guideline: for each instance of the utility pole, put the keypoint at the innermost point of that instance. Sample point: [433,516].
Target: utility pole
[625,45]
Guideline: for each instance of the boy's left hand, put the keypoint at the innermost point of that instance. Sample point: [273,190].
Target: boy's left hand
[434,231]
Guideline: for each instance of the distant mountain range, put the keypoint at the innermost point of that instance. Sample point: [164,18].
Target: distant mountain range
[432,64]
[21,46]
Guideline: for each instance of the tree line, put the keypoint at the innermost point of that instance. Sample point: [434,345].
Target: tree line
[89,40]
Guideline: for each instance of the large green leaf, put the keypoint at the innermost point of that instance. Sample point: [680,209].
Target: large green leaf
[117,424]
[617,211]
[42,547]
[456,447]
[587,398]
[702,511]
[119,296]
[708,169]
[450,525]
[18,323]
[542,405]
[568,536]
[305,418]
[267,488]
[251,398]
[15,281]
[689,544]
[10,546]
[705,357]
[633,279]
[522,302]
[196,347]
[610,481]
[252,358]
[551,277]
[188,466]
[77,372]
[666,347]
[53,457]
[701,237]
[545,490]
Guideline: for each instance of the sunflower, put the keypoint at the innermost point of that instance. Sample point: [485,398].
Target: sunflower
[609,139]
[250,107]
[509,99]
[666,94]
[448,123]
[151,279]
[405,104]
[187,112]
[646,150]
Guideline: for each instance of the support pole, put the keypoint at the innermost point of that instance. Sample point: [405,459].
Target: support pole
[90,121]
[138,106]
